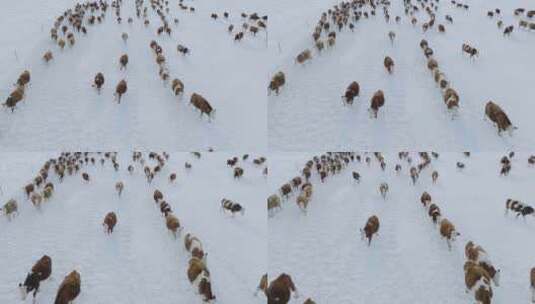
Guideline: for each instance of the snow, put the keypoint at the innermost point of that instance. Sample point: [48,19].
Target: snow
[140,262]
[309,114]
[62,111]
[408,262]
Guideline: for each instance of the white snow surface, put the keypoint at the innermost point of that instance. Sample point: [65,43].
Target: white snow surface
[309,114]
[61,111]
[408,262]
[140,262]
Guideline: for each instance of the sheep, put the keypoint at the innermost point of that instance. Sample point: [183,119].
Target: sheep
[98,82]
[434,176]
[303,56]
[202,104]
[425,198]
[85,177]
[160,59]
[182,49]
[331,41]
[172,177]
[238,172]
[389,64]
[447,230]
[277,81]
[273,202]
[120,89]
[40,271]
[47,192]
[371,228]
[119,186]
[434,213]
[508,30]
[478,255]
[495,113]
[36,199]
[532,280]
[24,78]
[460,165]
[110,220]
[194,247]
[61,44]
[476,277]
[309,301]
[173,224]
[238,36]
[199,276]
[230,28]
[16,96]
[451,99]
[285,190]
[352,90]
[432,64]
[177,86]
[391,36]
[296,181]
[320,45]
[48,56]
[302,202]
[157,196]
[263,285]
[377,101]
[356,176]
[280,290]
[69,288]
[123,60]
[10,208]
[472,51]
[124,36]
[231,206]
[383,189]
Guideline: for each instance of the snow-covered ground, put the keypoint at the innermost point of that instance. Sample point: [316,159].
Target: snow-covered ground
[140,262]
[62,111]
[309,113]
[408,262]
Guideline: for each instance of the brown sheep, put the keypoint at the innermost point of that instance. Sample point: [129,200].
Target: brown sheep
[48,56]
[29,189]
[425,198]
[383,189]
[474,253]
[202,104]
[277,81]
[371,228]
[273,202]
[199,275]
[41,270]
[177,86]
[303,56]
[476,276]
[231,206]
[280,289]
[441,28]
[173,224]
[434,213]
[24,78]
[16,96]
[123,60]
[157,195]
[320,45]
[352,90]
[85,177]
[120,90]
[434,176]
[98,82]
[495,113]
[172,177]
[193,245]
[309,301]
[285,190]
[432,64]
[447,230]
[110,220]
[302,202]
[119,186]
[238,172]
[36,200]
[451,98]
[377,101]
[69,288]
[389,64]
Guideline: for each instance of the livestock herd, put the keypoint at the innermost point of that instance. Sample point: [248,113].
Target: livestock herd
[481,275]
[72,165]
[347,14]
[79,20]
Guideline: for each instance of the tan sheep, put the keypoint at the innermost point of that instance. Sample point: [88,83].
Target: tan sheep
[177,86]
[173,224]
[447,230]
[120,90]
[110,220]
[303,56]
[371,228]
[202,104]
[277,82]
[377,101]
[69,288]
[495,113]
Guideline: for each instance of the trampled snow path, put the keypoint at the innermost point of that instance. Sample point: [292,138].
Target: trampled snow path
[408,262]
[140,262]
[62,111]
[308,114]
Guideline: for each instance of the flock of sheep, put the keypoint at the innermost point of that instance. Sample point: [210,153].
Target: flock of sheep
[348,13]
[480,273]
[71,165]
